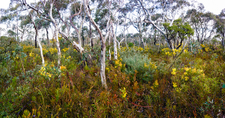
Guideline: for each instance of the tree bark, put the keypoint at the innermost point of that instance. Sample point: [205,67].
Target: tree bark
[149,20]
[38,41]
[114,42]
[103,47]
[48,41]
[56,34]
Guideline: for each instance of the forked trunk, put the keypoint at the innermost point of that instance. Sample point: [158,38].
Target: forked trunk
[56,34]
[103,48]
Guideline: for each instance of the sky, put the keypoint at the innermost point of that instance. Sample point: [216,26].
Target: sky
[214,6]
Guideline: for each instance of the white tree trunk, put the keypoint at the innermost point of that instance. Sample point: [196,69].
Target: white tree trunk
[114,42]
[103,47]
[56,34]
[119,42]
[41,51]
[38,41]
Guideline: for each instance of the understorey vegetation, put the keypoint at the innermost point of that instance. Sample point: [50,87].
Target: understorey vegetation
[149,82]
[111,58]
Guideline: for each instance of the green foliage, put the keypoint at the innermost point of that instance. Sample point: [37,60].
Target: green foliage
[178,30]
[130,44]
[141,83]
[137,62]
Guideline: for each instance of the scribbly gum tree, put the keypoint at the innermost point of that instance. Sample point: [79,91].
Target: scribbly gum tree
[104,21]
[166,11]
[201,22]
[37,26]
[103,42]
[220,26]
[178,32]
[56,32]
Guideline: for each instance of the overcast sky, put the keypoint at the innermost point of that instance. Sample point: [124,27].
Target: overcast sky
[214,6]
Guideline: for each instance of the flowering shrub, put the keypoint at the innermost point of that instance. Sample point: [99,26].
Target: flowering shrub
[141,83]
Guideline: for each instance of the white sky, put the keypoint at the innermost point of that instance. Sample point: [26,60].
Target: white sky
[214,6]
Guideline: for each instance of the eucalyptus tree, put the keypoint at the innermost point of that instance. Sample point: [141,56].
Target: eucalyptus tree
[40,10]
[178,32]
[220,26]
[11,18]
[201,22]
[132,13]
[167,11]
[37,26]
[102,38]
[76,13]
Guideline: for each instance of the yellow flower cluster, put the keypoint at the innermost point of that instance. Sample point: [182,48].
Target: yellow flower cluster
[190,72]
[173,71]
[202,45]
[65,49]
[124,92]
[52,41]
[62,68]
[166,51]
[44,51]
[156,83]
[107,69]
[174,52]
[53,50]
[206,48]
[60,38]
[151,65]
[27,48]
[146,49]
[140,49]
[137,48]
[31,54]
[177,89]
[43,72]
[118,63]
[174,85]
[69,57]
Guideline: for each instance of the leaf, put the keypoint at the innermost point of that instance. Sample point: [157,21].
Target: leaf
[223,86]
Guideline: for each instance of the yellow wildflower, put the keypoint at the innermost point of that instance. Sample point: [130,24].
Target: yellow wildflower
[53,50]
[124,92]
[65,49]
[68,57]
[120,65]
[173,71]
[187,69]
[178,90]
[202,46]
[207,49]
[117,62]
[107,69]
[174,53]
[31,54]
[186,78]
[194,70]
[174,84]
[62,68]
[156,83]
